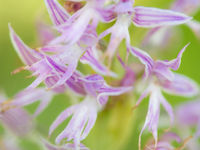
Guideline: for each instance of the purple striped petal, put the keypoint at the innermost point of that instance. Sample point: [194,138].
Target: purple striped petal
[154,17]
[153,114]
[181,85]
[63,116]
[145,59]
[27,97]
[26,54]
[175,63]
[88,58]
[106,91]
[57,13]
[83,119]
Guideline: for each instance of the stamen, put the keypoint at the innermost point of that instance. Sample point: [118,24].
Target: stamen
[19,70]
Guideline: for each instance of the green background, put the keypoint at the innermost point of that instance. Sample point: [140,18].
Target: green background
[116,128]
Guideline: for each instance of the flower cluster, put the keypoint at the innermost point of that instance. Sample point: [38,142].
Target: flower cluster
[73,40]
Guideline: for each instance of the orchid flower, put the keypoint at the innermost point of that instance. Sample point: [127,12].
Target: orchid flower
[84,114]
[12,119]
[145,17]
[161,78]
[72,29]
[87,40]
[46,67]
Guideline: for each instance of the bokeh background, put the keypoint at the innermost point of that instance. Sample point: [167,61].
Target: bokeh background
[116,128]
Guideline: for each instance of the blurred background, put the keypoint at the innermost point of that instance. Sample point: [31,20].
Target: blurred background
[116,128]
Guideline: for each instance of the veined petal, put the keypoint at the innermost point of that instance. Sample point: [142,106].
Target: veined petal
[154,17]
[181,85]
[64,115]
[81,118]
[75,30]
[144,58]
[88,58]
[57,13]
[175,63]
[68,73]
[153,114]
[27,97]
[26,54]
[106,91]
[91,121]
[167,107]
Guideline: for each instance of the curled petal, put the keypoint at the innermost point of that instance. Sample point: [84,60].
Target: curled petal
[64,115]
[81,123]
[27,97]
[106,91]
[57,13]
[144,58]
[88,58]
[167,107]
[175,63]
[26,54]
[153,114]
[181,85]
[154,17]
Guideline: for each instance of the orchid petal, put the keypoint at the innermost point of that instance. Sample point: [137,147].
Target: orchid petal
[181,85]
[26,54]
[175,63]
[167,107]
[88,58]
[144,58]
[64,115]
[106,91]
[57,13]
[154,17]
[153,114]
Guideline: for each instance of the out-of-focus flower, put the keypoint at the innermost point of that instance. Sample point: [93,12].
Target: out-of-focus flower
[160,77]
[8,142]
[27,97]
[17,120]
[146,17]
[188,114]
[165,142]
[67,146]
[85,113]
